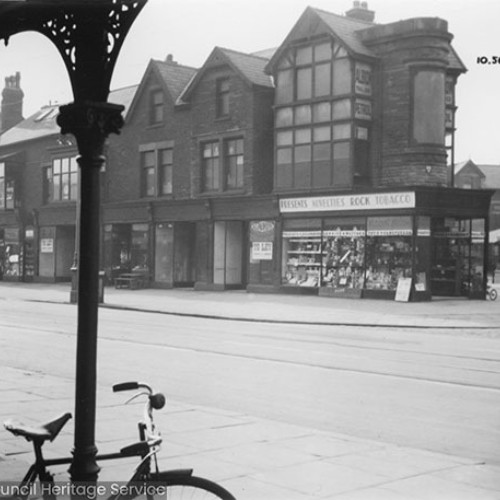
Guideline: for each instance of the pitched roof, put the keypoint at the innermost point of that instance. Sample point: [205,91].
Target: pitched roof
[492,176]
[316,21]
[43,123]
[249,66]
[345,28]
[175,76]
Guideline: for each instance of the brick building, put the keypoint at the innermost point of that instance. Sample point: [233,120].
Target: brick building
[39,195]
[319,167]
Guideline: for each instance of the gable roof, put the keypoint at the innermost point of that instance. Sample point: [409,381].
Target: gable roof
[491,176]
[315,21]
[250,67]
[174,75]
[489,172]
[467,165]
[43,123]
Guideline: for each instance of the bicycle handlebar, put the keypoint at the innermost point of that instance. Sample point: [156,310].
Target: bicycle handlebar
[130,386]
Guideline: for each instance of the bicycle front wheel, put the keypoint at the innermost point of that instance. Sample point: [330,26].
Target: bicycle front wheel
[183,487]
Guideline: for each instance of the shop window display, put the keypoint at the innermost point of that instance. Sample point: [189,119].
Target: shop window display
[388,252]
[302,254]
[343,255]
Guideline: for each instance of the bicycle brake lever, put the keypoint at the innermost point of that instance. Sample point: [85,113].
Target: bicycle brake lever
[136,396]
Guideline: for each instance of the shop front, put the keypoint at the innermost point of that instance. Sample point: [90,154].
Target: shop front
[126,250]
[409,245]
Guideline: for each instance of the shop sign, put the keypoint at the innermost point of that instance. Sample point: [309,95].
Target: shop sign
[47,245]
[385,201]
[363,79]
[403,290]
[11,235]
[363,109]
[262,250]
[262,230]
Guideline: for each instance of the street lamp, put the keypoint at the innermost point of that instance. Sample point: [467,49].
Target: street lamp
[89,35]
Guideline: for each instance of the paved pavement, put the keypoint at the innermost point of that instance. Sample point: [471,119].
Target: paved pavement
[255,458]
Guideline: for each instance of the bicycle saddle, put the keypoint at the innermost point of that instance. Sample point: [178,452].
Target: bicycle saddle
[42,432]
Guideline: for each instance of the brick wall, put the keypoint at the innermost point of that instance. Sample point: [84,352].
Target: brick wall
[405,48]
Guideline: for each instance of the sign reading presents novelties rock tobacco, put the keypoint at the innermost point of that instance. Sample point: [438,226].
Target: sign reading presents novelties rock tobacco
[379,201]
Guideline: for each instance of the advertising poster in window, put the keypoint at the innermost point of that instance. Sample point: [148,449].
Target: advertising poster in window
[363,79]
[261,239]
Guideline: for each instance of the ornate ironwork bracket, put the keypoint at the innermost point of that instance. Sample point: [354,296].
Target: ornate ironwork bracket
[90,123]
[87,34]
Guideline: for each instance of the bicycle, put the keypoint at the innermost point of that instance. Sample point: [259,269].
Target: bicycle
[147,479]
[491,292]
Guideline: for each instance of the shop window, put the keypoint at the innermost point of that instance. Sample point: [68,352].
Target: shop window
[157,107]
[302,254]
[429,107]
[7,189]
[388,252]
[343,254]
[61,180]
[222,97]
[10,253]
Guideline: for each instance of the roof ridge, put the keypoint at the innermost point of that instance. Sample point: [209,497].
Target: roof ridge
[252,55]
[174,64]
[347,18]
[125,87]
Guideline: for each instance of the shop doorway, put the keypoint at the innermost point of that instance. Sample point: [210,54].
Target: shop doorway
[174,250]
[228,254]
[458,263]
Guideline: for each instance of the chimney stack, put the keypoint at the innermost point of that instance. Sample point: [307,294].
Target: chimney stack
[360,12]
[12,102]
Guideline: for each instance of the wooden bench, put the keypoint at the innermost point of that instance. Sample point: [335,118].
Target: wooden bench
[133,281]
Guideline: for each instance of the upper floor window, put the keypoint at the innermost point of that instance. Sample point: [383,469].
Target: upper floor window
[7,189]
[61,180]
[210,166]
[311,71]
[157,108]
[157,171]
[234,163]
[222,172]
[222,97]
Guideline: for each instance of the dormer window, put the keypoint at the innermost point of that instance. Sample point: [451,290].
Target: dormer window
[157,107]
[222,97]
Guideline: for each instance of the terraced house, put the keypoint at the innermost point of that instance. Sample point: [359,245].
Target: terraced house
[323,166]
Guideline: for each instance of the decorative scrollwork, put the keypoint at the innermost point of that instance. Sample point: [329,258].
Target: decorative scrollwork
[89,38]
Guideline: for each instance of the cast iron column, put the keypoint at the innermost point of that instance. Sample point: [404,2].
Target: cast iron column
[88,35]
[90,123]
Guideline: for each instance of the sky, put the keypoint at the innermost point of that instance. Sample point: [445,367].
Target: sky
[190,29]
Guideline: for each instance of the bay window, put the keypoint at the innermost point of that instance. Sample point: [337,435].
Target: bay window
[316,114]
